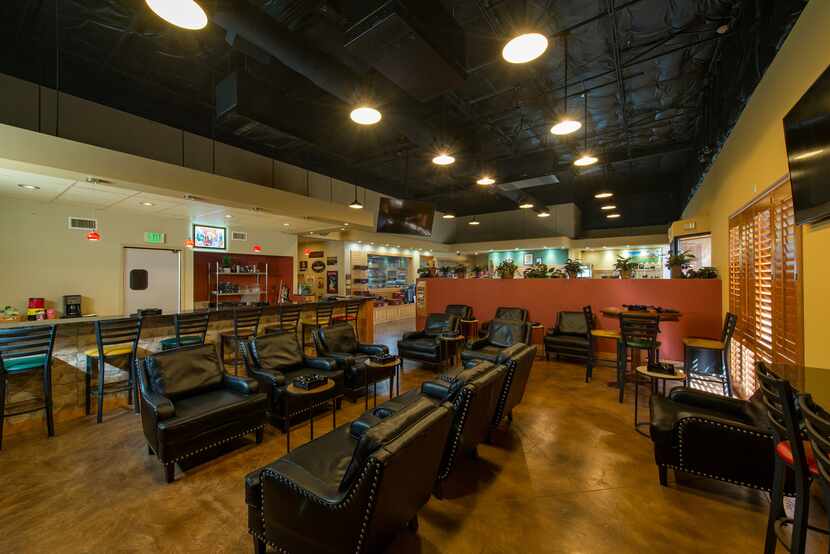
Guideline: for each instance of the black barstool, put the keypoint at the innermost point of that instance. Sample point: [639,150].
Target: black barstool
[639,333]
[323,313]
[191,330]
[707,360]
[350,313]
[114,339]
[791,451]
[288,319]
[27,350]
[817,426]
[245,326]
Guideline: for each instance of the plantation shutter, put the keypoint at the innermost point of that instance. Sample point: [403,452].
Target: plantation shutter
[765,286]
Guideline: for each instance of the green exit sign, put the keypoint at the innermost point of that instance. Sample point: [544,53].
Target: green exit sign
[153,237]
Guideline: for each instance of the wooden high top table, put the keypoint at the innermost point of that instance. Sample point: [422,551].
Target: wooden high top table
[664,316]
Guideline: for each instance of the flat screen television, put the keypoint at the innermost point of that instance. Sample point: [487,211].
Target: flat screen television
[209,237]
[405,217]
[807,132]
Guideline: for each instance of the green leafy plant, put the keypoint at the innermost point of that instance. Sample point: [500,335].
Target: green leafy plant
[572,268]
[477,270]
[460,271]
[537,271]
[557,274]
[445,271]
[702,273]
[226,261]
[625,266]
[679,262]
[425,272]
[507,269]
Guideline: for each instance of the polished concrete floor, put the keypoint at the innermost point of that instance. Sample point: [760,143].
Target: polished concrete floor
[569,476]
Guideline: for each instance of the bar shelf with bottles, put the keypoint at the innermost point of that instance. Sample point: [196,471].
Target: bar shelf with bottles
[223,282]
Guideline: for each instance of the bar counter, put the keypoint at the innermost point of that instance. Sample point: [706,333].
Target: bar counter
[75,335]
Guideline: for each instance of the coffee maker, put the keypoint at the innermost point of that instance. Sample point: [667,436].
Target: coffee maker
[72,305]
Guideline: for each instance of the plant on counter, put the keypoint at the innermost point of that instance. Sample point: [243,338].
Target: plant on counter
[537,271]
[445,271]
[477,271]
[678,263]
[572,268]
[702,273]
[426,272]
[625,266]
[226,263]
[507,269]
[460,271]
[557,274]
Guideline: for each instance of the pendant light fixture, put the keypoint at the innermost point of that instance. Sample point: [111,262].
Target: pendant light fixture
[525,48]
[586,159]
[356,205]
[604,195]
[443,158]
[526,205]
[186,14]
[448,215]
[474,221]
[544,213]
[486,181]
[566,125]
[366,115]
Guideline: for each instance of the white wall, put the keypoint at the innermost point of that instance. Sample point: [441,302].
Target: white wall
[41,257]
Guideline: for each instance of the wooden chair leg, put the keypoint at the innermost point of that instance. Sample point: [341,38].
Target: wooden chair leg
[88,387]
[2,406]
[101,370]
[776,506]
[47,398]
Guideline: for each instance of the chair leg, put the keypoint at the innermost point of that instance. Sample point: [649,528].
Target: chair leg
[169,472]
[259,546]
[259,434]
[776,506]
[413,524]
[663,471]
[47,396]
[2,406]
[802,516]
[101,370]
[727,374]
[621,373]
[88,386]
[134,391]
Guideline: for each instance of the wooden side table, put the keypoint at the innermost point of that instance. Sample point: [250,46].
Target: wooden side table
[537,337]
[314,400]
[396,376]
[455,343]
[469,328]
[655,377]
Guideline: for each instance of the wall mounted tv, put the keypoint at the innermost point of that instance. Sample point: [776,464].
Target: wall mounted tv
[405,217]
[807,132]
[209,237]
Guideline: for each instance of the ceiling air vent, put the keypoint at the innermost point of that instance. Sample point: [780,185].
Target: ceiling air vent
[83,223]
[239,235]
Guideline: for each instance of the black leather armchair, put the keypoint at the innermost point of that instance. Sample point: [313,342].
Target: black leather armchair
[339,343]
[570,337]
[275,360]
[350,492]
[713,436]
[426,345]
[500,335]
[463,311]
[506,313]
[519,361]
[189,404]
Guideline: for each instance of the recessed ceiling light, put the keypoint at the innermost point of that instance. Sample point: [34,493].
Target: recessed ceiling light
[448,216]
[486,180]
[345,225]
[525,48]
[365,115]
[526,205]
[286,224]
[29,187]
[228,216]
[543,214]
[566,126]
[604,195]
[585,160]
[147,204]
[613,216]
[609,207]
[342,228]
[186,14]
[473,222]
[443,159]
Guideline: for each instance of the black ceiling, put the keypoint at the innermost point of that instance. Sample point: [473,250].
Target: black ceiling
[663,87]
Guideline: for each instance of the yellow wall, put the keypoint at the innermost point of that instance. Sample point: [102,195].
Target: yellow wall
[754,157]
[41,257]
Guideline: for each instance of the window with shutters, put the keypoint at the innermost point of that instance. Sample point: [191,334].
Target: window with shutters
[765,287]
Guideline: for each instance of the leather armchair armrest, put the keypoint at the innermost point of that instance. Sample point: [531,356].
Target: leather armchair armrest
[505,354]
[161,406]
[276,475]
[708,401]
[373,349]
[323,364]
[412,335]
[244,385]
[269,377]
[343,361]
[438,390]
[477,344]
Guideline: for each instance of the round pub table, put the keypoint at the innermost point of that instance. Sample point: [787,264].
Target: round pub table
[372,366]
[453,345]
[655,377]
[313,397]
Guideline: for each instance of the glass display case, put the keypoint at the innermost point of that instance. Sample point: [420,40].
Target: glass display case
[388,271]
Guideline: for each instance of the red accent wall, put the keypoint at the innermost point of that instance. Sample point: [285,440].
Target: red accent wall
[279,268]
[698,300]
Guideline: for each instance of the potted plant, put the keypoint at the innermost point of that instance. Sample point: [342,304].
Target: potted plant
[477,271]
[702,273]
[678,263]
[507,269]
[537,271]
[572,268]
[625,266]
[426,272]
[557,274]
[226,264]
[445,271]
[460,271]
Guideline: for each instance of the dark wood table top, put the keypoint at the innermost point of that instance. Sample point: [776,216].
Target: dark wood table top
[615,311]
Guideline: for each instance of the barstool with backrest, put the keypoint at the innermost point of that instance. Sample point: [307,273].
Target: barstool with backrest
[114,339]
[191,330]
[791,452]
[27,350]
[323,312]
[350,312]
[593,336]
[696,366]
[245,327]
[288,319]
[817,426]
[638,333]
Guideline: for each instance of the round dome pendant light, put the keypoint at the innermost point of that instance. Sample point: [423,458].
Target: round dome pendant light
[448,215]
[525,48]
[486,181]
[186,14]
[566,125]
[474,221]
[365,115]
[443,159]
[586,159]
[356,205]
[543,214]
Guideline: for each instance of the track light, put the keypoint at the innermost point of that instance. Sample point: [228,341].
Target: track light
[186,14]
[365,115]
[525,48]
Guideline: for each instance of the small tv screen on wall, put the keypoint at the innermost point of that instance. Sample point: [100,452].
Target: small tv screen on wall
[209,237]
[405,217]
[807,132]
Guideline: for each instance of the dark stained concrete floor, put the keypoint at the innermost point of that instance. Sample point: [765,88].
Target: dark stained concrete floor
[569,476]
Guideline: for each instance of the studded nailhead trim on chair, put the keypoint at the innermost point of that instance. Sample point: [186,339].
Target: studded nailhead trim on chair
[211,445]
[505,392]
[462,407]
